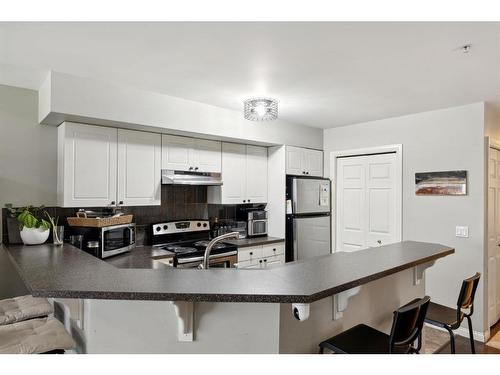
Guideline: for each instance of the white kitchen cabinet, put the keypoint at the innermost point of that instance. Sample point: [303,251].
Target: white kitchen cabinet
[304,161]
[177,152]
[139,168]
[190,154]
[87,165]
[208,155]
[261,256]
[100,166]
[244,175]
[233,190]
[256,174]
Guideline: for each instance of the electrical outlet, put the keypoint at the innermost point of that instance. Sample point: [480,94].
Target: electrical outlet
[461,231]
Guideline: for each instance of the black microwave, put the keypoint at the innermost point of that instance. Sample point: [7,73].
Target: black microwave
[106,241]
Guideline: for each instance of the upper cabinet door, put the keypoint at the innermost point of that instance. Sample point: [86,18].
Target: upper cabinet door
[234,174]
[86,165]
[295,160]
[256,174]
[304,161]
[313,162]
[178,153]
[208,156]
[139,168]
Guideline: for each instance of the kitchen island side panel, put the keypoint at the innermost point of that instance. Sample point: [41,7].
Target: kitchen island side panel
[144,327]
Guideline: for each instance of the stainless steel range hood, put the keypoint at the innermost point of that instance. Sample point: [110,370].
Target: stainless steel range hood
[171,177]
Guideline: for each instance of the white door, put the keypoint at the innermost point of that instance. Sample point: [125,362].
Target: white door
[139,168]
[87,165]
[208,156]
[256,174]
[313,160]
[351,204]
[368,201]
[234,175]
[493,236]
[295,160]
[178,153]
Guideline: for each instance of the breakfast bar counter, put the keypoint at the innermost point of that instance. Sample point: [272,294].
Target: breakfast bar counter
[67,272]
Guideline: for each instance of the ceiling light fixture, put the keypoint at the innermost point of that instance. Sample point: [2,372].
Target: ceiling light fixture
[261,109]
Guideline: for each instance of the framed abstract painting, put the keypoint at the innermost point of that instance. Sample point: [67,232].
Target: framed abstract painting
[441,183]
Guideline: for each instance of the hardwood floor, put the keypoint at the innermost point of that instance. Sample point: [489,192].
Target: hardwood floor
[462,345]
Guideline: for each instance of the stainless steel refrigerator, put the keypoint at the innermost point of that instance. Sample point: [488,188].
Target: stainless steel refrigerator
[308,220]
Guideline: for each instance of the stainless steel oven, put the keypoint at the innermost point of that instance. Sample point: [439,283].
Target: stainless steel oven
[227,260]
[107,241]
[257,223]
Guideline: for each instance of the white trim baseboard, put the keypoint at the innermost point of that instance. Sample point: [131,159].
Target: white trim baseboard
[464,332]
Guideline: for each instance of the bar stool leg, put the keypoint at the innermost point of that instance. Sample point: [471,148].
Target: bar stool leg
[452,340]
[321,350]
[471,335]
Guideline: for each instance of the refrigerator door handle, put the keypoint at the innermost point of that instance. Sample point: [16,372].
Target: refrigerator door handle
[294,196]
[295,244]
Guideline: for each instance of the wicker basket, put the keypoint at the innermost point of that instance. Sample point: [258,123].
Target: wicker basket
[81,220]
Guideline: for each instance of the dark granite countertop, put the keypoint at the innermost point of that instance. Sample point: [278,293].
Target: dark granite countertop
[255,241]
[142,257]
[66,272]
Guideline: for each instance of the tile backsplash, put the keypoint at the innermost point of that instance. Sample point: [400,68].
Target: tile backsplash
[178,202]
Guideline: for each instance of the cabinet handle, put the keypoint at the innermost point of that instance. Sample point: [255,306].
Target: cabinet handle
[113,203]
[251,252]
[260,261]
[249,201]
[274,249]
[265,260]
[244,201]
[190,168]
[196,169]
[307,172]
[121,202]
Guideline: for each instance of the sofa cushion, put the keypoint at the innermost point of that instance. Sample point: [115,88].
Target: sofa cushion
[34,336]
[22,308]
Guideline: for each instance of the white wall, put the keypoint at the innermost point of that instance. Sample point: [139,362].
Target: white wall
[65,97]
[449,139]
[28,151]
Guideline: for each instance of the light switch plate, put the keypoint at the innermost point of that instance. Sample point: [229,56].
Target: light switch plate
[461,231]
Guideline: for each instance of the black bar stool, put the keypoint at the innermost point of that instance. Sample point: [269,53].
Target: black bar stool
[406,328]
[450,319]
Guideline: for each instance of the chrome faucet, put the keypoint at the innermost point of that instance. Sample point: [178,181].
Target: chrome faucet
[212,243]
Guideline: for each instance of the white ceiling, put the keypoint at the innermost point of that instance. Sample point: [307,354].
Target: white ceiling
[324,74]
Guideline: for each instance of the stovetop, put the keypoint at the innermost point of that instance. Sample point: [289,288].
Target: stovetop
[195,248]
[187,238]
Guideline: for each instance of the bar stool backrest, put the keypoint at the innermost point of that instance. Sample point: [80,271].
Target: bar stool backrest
[407,324]
[467,293]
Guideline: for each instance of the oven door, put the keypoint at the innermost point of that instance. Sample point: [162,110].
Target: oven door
[227,261]
[117,239]
[257,228]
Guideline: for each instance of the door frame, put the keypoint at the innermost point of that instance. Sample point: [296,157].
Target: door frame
[394,148]
[489,143]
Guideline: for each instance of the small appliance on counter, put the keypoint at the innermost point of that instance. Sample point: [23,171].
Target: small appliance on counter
[187,240]
[102,233]
[256,219]
[103,242]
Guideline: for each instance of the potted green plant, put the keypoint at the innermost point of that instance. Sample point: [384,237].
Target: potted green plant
[34,229]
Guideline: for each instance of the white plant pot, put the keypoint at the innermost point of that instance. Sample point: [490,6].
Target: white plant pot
[34,236]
